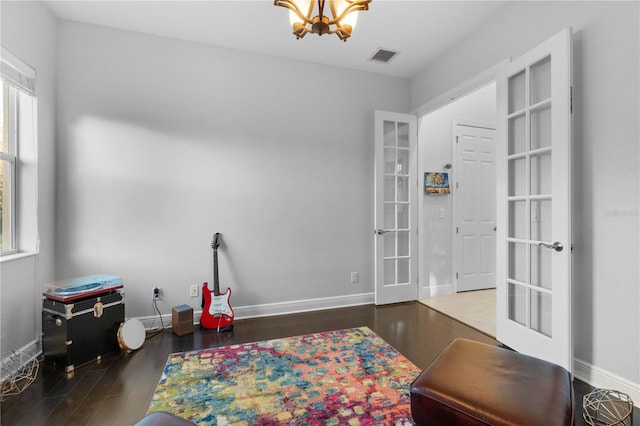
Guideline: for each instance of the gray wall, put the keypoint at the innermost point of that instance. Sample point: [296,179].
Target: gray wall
[161,143]
[606,157]
[29,32]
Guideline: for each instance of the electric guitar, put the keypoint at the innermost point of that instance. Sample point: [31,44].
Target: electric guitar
[217,313]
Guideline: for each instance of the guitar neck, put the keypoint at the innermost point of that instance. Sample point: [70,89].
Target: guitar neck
[216,284]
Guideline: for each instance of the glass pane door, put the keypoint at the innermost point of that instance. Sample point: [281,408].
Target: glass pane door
[529,200]
[395,208]
[397,259]
[533,158]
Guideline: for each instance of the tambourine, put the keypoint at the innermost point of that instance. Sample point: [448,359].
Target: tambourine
[131,334]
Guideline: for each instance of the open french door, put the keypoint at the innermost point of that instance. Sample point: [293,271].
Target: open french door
[533,310]
[395,190]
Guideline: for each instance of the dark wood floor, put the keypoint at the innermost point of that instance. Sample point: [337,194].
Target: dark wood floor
[118,390]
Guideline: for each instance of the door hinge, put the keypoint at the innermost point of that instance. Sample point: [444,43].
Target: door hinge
[456,229]
[456,275]
[571,99]
[457,185]
[457,138]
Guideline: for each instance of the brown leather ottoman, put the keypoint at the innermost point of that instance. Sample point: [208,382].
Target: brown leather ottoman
[472,383]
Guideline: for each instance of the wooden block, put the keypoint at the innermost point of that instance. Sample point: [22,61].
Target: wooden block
[182,319]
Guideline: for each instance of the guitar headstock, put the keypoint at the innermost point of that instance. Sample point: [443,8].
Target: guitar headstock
[215,241]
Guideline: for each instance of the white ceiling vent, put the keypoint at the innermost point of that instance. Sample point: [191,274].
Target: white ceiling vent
[383,55]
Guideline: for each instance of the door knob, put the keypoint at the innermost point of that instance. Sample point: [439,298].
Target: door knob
[557,246]
[380,231]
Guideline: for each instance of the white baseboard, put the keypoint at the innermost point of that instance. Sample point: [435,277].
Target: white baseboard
[271,309]
[602,379]
[441,290]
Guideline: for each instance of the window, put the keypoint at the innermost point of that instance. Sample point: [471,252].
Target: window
[7,170]
[18,169]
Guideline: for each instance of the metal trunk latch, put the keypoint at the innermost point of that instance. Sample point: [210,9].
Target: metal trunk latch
[98,309]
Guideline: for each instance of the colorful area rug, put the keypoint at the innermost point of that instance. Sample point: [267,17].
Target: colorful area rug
[345,377]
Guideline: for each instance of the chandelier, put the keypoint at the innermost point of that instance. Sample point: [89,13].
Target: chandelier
[344,14]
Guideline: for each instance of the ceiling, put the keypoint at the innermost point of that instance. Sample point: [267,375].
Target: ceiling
[419,30]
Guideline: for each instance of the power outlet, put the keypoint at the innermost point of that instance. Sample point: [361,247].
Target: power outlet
[156,293]
[193,291]
[355,277]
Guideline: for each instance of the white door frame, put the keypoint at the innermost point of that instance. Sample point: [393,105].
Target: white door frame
[461,90]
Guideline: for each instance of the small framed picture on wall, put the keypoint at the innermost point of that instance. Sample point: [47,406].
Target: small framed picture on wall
[436,183]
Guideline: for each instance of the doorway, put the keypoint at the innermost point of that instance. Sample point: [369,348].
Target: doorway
[436,153]
[476,309]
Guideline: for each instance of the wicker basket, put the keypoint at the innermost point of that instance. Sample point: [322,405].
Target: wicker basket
[17,374]
[605,407]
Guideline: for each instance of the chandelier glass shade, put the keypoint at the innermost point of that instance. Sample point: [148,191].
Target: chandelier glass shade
[323,17]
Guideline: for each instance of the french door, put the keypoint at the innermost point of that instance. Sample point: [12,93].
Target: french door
[533,310]
[395,194]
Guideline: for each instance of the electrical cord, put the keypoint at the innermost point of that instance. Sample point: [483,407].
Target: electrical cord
[154,332]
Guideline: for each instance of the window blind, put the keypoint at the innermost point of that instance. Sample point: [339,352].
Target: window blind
[17,73]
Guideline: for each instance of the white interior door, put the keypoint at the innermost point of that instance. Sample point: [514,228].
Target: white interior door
[475,208]
[533,314]
[395,188]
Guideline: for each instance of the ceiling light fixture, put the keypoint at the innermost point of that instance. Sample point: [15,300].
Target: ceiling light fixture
[344,14]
